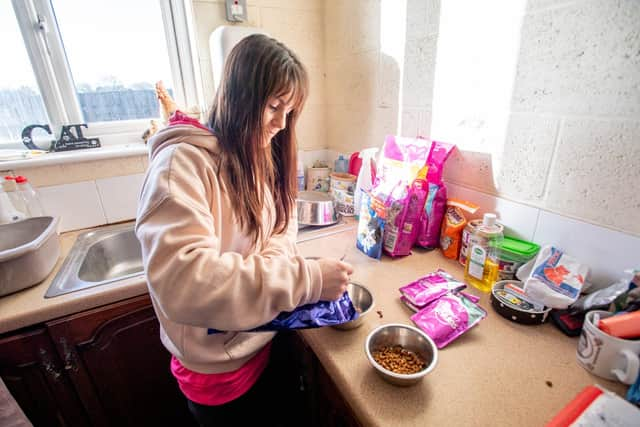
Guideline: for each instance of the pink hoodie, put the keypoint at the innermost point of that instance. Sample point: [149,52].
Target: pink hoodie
[201,268]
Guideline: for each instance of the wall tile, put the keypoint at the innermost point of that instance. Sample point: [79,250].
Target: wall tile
[313,5]
[365,29]
[388,93]
[596,174]
[82,171]
[311,129]
[423,18]
[472,169]
[338,15]
[300,30]
[519,220]
[606,252]
[119,196]
[353,80]
[78,205]
[527,156]
[419,72]
[581,59]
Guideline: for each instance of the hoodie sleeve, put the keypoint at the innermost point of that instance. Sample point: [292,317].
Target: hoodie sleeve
[283,243]
[195,284]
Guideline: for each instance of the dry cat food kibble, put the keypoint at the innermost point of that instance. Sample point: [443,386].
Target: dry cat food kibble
[397,359]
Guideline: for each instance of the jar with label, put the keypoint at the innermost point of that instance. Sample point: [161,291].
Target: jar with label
[464,242]
[481,270]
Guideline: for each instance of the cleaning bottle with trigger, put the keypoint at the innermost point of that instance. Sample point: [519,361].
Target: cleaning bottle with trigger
[366,176]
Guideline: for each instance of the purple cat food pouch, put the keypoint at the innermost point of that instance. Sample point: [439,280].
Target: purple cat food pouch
[448,317]
[322,313]
[430,287]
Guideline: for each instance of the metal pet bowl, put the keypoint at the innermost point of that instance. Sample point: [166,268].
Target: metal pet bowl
[363,302]
[409,338]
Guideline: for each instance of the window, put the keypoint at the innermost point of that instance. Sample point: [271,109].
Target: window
[20,100]
[94,62]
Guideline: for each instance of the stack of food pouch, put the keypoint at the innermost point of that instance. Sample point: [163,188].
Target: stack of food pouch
[443,310]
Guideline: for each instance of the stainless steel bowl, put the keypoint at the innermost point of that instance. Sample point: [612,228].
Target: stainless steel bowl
[315,208]
[362,301]
[408,337]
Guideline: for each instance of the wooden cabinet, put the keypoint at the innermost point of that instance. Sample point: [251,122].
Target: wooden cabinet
[102,367]
[107,367]
[32,371]
[323,402]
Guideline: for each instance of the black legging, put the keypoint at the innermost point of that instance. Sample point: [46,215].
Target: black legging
[272,401]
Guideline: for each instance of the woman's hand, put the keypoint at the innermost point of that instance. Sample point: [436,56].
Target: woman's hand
[335,277]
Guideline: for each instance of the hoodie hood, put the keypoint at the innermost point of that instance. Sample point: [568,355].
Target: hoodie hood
[198,136]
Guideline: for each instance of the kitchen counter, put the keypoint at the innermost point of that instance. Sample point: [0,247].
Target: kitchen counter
[498,373]
[28,307]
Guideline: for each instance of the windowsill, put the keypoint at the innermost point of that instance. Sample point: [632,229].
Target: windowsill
[76,156]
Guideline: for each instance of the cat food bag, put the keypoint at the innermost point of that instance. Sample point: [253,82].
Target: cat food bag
[430,287]
[403,214]
[556,279]
[371,226]
[436,200]
[401,159]
[322,313]
[448,317]
[452,226]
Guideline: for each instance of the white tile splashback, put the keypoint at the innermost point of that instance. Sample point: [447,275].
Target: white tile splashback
[78,205]
[520,220]
[119,196]
[607,252]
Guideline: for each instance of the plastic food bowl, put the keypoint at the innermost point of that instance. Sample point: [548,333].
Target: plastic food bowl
[29,249]
[409,338]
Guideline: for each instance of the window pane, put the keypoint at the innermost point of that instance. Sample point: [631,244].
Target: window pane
[116,50]
[20,100]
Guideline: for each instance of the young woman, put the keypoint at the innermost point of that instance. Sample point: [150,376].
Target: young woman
[217,224]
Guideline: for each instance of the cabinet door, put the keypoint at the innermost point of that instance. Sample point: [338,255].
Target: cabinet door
[120,368]
[31,370]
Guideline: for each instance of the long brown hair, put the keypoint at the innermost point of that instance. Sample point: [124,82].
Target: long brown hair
[258,68]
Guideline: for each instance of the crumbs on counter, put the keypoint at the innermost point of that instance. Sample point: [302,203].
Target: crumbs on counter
[379,314]
[549,383]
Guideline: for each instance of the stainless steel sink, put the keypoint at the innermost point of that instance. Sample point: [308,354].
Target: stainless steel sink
[97,258]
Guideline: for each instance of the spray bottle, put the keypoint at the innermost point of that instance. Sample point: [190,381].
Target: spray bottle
[365,177]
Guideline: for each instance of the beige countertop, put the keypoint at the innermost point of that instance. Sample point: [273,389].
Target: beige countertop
[29,307]
[499,373]
[496,374]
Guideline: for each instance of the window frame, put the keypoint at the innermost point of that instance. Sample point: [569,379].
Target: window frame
[43,42]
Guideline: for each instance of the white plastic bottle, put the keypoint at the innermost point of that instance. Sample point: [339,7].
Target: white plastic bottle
[8,212]
[300,172]
[30,197]
[365,179]
[10,187]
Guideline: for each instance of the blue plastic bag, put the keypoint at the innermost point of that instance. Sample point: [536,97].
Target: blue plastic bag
[322,313]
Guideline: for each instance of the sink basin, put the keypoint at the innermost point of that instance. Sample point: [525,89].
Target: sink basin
[97,258]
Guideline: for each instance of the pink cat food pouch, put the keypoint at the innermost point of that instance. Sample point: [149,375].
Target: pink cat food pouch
[448,317]
[430,287]
[412,307]
[474,299]
[436,200]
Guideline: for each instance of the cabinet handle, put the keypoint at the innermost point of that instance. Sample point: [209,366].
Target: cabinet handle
[48,365]
[69,358]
